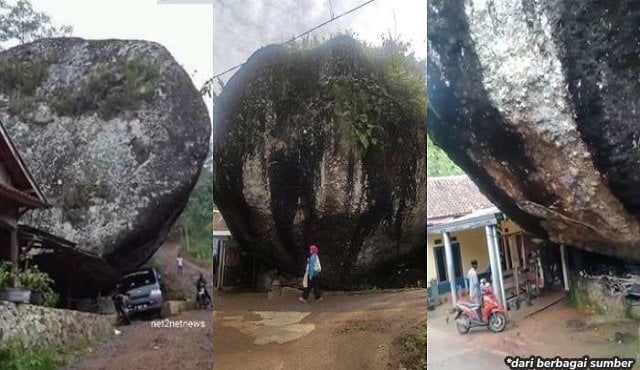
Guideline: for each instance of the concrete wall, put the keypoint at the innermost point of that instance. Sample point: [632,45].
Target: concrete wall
[30,326]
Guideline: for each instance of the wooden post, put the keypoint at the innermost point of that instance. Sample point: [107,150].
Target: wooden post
[515,274]
[15,249]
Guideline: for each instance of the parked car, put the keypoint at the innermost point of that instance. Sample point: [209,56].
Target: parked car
[143,291]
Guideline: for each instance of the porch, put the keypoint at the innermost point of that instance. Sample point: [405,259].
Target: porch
[520,268]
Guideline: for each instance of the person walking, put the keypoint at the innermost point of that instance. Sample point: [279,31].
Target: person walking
[311,279]
[179,263]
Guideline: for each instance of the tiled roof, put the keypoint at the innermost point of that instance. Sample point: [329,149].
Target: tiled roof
[453,196]
[218,222]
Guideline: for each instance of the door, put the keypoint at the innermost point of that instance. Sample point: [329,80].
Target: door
[5,244]
[441,261]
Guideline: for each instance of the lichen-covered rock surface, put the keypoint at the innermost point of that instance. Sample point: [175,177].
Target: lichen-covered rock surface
[115,134]
[537,102]
[324,146]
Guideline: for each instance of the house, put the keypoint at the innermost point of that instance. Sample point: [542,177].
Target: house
[56,256]
[225,252]
[18,194]
[462,226]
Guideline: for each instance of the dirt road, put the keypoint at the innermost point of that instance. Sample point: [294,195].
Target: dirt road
[341,332]
[559,330]
[142,346]
[179,287]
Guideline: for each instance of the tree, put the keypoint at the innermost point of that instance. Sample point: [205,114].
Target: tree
[196,220]
[21,23]
[438,162]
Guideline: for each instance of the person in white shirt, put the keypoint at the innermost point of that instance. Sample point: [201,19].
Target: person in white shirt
[474,284]
[179,263]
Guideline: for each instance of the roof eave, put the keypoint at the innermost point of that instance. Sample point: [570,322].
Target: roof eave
[466,224]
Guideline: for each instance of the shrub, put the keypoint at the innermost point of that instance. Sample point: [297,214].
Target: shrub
[414,349]
[112,92]
[22,77]
[43,359]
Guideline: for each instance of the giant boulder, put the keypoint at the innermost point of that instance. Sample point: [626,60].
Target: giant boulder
[115,134]
[537,102]
[321,147]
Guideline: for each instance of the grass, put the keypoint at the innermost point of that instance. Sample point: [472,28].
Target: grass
[12,359]
[413,346]
[111,93]
[23,77]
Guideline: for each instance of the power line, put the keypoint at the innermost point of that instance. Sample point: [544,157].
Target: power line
[297,37]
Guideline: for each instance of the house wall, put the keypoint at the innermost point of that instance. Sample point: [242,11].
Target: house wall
[511,226]
[473,245]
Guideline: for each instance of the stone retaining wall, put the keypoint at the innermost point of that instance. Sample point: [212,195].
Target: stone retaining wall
[591,296]
[30,326]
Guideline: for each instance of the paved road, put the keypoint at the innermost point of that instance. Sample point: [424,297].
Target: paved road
[447,351]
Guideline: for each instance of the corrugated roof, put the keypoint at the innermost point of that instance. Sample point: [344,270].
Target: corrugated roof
[453,196]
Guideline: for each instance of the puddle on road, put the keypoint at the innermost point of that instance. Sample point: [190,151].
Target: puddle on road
[270,327]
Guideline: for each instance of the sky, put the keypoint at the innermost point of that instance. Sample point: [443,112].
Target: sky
[243,26]
[184,29]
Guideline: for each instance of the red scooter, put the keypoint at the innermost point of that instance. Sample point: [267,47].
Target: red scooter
[471,315]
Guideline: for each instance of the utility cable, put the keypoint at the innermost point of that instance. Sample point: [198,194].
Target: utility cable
[210,81]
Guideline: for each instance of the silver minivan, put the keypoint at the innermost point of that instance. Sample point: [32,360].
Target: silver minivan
[143,291]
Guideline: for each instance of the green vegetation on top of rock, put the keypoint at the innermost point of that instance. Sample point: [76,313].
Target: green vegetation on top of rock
[22,78]
[370,85]
[111,93]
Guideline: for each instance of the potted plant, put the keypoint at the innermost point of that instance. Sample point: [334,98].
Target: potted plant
[28,285]
[39,283]
[9,289]
[6,278]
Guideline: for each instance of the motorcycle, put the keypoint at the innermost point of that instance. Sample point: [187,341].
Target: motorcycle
[472,315]
[202,300]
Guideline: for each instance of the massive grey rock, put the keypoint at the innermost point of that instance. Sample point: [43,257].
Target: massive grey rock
[114,132]
[289,171]
[538,102]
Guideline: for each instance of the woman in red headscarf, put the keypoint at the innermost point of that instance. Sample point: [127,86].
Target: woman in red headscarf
[311,278]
